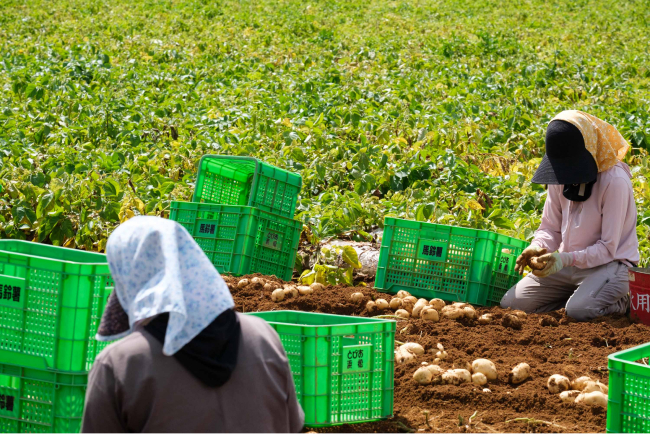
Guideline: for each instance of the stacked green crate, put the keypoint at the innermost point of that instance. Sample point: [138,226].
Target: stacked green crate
[447,262]
[242,215]
[51,302]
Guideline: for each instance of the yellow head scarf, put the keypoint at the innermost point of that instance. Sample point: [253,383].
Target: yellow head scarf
[602,140]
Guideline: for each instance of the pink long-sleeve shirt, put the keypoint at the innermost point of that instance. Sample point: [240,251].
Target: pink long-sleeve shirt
[597,231]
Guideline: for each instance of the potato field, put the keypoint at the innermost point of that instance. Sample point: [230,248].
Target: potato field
[427,110]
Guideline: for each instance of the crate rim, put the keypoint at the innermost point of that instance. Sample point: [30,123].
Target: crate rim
[9,240]
[617,356]
[217,156]
[364,320]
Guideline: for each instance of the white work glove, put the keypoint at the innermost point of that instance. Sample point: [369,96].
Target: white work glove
[529,252]
[554,263]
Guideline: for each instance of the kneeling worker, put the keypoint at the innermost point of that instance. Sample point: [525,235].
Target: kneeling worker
[588,222]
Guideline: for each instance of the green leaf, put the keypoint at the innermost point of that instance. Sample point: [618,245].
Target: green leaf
[45,204]
[350,257]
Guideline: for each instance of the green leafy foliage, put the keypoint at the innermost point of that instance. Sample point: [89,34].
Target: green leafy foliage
[334,265]
[432,111]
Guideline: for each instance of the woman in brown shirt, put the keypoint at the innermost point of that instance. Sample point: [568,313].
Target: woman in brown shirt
[188,362]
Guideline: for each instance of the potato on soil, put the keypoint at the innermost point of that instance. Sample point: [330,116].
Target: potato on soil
[548,321]
[243,283]
[305,290]
[591,386]
[435,370]
[569,395]
[453,312]
[479,379]
[403,313]
[430,314]
[403,356]
[357,296]
[371,306]
[396,303]
[486,318]
[592,399]
[423,375]
[402,294]
[511,321]
[413,347]
[519,374]
[317,286]
[277,295]
[269,286]
[603,387]
[437,304]
[464,375]
[558,383]
[470,312]
[407,305]
[421,303]
[290,292]
[257,282]
[485,367]
[579,383]
[381,304]
[450,377]
[520,314]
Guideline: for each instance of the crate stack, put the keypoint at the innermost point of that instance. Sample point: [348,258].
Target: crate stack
[51,302]
[242,215]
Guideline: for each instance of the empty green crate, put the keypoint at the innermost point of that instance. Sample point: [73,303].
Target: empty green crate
[240,239]
[628,409]
[51,303]
[343,366]
[227,180]
[37,400]
[447,262]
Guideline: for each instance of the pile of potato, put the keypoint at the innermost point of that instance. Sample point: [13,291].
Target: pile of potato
[582,390]
[406,306]
[480,372]
[279,293]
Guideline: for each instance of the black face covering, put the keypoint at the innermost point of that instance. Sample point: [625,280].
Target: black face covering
[578,192]
[212,355]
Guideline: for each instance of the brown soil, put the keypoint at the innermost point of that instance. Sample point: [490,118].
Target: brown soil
[550,343]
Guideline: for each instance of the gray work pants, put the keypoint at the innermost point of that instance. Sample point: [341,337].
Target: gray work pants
[585,293]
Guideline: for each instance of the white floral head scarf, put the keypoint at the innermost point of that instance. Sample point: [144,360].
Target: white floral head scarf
[157,267]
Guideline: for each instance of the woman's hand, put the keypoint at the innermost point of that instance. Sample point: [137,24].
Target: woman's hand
[554,263]
[524,258]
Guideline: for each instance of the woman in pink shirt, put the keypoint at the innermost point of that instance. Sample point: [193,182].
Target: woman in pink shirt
[588,223]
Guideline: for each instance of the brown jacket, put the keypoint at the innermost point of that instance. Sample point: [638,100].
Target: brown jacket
[133,387]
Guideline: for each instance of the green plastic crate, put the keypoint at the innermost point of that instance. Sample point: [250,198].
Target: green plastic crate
[36,400]
[240,239]
[447,262]
[51,304]
[343,366]
[227,180]
[628,408]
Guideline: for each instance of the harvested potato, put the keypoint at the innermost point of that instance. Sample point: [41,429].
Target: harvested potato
[403,356]
[603,387]
[485,367]
[435,370]
[413,347]
[357,296]
[536,264]
[430,314]
[558,383]
[450,377]
[470,313]
[520,314]
[591,386]
[453,312]
[592,399]
[486,318]
[371,306]
[317,286]
[277,295]
[511,321]
[441,354]
[402,294]
[519,374]
[407,305]
[396,303]
[257,282]
[569,395]
[479,379]
[464,375]
[421,303]
[437,304]
[548,321]
[423,375]
[269,287]
[463,365]
[381,304]
[403,313]
[243,283]
[305,290]
[411,299]
[290,292]
[579,383]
